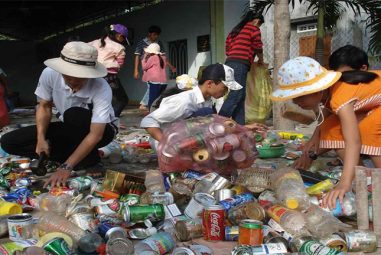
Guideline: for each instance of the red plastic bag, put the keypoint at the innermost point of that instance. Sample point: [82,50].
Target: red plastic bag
[207,144]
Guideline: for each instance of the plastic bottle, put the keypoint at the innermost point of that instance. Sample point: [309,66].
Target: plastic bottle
[289,188]
[54,204]
[51,222]
[160,243]
[291,221]
[154,181]
[322,223]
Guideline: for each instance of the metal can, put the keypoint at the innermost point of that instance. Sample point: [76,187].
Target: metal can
[130,199]
[271,236]
[335,241]
[231,233]
[250,210]
[119,246]
[57,246]
[264,249]
[139,213]
[115,232]
[162,198]
[236,200]
[250,232]
[108,207]
[80,183]
[188,229]
[223,194]
[213,221]
[361,241]
[192,174]
[197,204]
[23,182]
[310,246]
[20,226]
[82,220]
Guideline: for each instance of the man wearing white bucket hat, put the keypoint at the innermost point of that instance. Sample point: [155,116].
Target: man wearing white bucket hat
[73,84]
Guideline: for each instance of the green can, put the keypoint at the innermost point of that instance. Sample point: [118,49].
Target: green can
[139,213]
[130,199]
[57,246]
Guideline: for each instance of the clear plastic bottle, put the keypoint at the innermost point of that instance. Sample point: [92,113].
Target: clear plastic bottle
[51,222]
[255,179]
[322,223]
[54,204]
[154,181]
[160,243]
[291,221]
[289,188]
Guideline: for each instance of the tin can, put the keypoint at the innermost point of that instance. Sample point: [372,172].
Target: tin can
[336,242]
[236,200]
[108,207]
[361,241]
[139,213]
[82,220]
[183,251]
[119,246]
[208,186]
[188,229]
[250,232]
[264,249]
[213,221]
[162,198]
[197,204]
[80,183]
[223,194]
[20,226]
[115,232]
[250,210]
[57,246]
[231,233]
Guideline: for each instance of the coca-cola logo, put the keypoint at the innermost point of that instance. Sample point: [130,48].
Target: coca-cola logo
[214,227]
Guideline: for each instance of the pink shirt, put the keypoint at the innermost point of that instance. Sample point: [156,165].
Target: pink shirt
[152,72]
[111,55]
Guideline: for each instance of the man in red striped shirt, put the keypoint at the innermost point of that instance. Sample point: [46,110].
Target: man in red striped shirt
[243,44]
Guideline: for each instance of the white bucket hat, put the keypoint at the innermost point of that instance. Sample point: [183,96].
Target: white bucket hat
[186,82]
[302,76]
[153,48]
[78,59]
[223,73]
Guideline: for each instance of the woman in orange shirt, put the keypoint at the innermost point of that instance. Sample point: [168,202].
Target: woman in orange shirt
[348,103]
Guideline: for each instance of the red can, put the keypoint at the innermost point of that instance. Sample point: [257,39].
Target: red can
[213,221]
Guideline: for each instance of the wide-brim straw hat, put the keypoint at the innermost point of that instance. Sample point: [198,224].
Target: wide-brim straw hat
[302,76]
[78,59]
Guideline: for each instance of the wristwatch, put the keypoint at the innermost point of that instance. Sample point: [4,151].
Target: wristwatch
[66,166]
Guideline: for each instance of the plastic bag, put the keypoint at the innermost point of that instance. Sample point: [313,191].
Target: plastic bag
[259,87]
[208,144]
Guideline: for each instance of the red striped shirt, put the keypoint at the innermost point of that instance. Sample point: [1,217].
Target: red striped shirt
[244,45]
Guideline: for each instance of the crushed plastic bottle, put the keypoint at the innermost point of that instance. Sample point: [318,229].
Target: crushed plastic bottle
[289,188]
[154,182]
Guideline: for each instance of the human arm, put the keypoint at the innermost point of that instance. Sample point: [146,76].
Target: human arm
[148,61]
[155,132]
[257,127]
[173,68]
[352,139]
[43,118]
[136,67]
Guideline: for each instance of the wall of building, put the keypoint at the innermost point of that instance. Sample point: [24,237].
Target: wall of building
[181,19]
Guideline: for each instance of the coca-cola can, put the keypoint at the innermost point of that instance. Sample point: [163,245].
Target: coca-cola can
[213,221]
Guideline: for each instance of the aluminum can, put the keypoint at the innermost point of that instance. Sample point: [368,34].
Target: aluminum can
[107,207]
[82,220]
[264,249]
[130,199]
[250,232]
[197,204]
[20,226]
[361,241]
[192,174]
[115,232]
[223,194]
[236,200]
[119,246]
[57,246]
[335,241]
[80,183]
[213,221]
[188,229]
[310,246]
[139,213]
[231,233]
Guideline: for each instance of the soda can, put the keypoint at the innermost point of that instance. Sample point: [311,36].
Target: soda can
[192,174]
[115,232]
[361,241]
[20,226]
[236,200]
[80,183]
[188,229]
[336,242]
[264,249]
[231,233]
[140,213]
[197,204]
[23,182]
[108,207]
[162,198]
[57,246]
[103,227]
[119,246]
[130,199]
[213,221]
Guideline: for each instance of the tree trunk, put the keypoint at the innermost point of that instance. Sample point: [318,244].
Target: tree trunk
[320,34]
[282,32]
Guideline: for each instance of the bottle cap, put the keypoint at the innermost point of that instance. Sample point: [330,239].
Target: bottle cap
[292,203]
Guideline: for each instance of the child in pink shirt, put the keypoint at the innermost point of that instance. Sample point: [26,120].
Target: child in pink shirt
[154,66]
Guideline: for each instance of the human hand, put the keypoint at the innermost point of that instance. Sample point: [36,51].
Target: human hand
[257,127]
[42,146]
[304,162]
[338,192]
[312,145]
[173,69]
[136,75]
[59,178]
